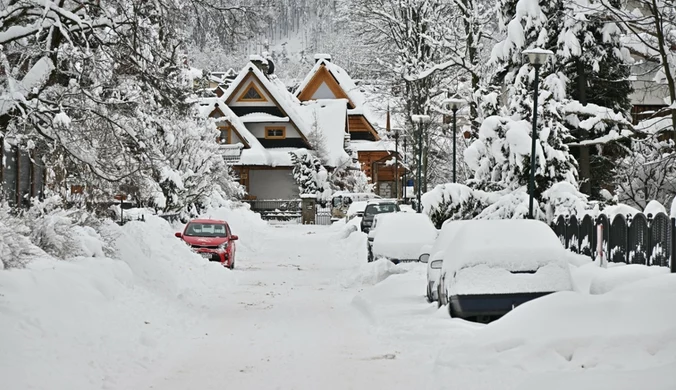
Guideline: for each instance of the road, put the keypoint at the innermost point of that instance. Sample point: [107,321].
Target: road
[291,323]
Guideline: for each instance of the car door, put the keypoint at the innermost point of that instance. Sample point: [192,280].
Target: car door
[231,243]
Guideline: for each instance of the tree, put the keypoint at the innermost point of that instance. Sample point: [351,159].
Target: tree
[650,25]
[648,172]
[597,66]
[100,88]
[500,156]
[310,175]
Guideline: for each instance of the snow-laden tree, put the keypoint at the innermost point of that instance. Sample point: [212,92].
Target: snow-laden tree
[650,28]
[597,67]
[101,88]
[500,157]
[648,172]
[310,175]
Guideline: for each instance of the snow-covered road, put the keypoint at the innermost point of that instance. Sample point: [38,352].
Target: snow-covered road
[290,324]
[304,310]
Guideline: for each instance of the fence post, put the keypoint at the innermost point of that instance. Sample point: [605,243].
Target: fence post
[673,245]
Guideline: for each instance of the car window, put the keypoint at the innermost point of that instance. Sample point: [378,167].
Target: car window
[381,208]
[198,229]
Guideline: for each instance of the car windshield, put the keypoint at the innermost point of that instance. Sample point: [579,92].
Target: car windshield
[381,208]
[199,229]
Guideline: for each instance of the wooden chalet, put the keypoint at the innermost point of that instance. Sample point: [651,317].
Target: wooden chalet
[327,80]
[260,122]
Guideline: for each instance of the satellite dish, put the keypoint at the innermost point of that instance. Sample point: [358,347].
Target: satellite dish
[271,65]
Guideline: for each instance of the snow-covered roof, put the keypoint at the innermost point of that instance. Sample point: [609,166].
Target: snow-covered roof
[330,116]
[259,117]
[374,146]
[359,97]
[287,102]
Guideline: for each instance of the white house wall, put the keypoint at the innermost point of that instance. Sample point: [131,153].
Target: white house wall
[244,88]
[258,129]
[272,184]
[323,92]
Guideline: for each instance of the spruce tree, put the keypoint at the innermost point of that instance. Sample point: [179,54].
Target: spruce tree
[597,67]
[500,158]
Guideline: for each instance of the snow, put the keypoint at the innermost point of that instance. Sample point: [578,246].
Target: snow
[654,125]
[514,245]
[304,307]
[356,207]
[401,236]
[673,208]
[368,146]
[654,207]
[620,208]
[371,273]
[619,274]
[74,324]
[330,118]
[486,279]
[263,117]
[456,193]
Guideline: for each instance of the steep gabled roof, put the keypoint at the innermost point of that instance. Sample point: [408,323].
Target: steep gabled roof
[274,88]
[346,86]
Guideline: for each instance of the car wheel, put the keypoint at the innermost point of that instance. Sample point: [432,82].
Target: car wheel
[370,255]
[429,294]
[440,297]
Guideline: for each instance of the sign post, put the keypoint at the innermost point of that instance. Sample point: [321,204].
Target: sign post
[599,245]
[121,198]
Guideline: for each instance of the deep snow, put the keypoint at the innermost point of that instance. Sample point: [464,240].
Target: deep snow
[303,310]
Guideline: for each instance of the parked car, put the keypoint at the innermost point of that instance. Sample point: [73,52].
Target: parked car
[400,237]
[341,202]
[212,239]
[356,209]
[492,266]
[435,261]
[375,207]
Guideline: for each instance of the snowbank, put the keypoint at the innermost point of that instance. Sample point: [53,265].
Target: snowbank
[371,273]
[621,274]
[78,323]
[586,340]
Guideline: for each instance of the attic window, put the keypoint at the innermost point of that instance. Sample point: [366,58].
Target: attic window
[252,94]
[275,133]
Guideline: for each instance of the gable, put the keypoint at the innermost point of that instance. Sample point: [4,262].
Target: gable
[250,92]
[323,86]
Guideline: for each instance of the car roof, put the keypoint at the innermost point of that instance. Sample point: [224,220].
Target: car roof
[380,201]
[206,220]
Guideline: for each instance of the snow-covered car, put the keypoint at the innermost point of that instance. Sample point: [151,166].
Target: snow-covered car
[356,209]
[435,260]
[492,266]
[212,239]
[375,207]
[400,237]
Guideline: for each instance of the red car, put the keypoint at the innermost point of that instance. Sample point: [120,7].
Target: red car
[212,239]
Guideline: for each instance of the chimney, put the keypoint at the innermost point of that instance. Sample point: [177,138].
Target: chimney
[322,56]
[260,62]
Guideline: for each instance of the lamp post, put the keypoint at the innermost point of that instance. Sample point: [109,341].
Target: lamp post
[404,183]
[396,164]
[537,58]
[420,119]
[453,104]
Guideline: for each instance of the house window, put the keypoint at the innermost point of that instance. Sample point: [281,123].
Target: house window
[252,94]
[275,132]
[225,136]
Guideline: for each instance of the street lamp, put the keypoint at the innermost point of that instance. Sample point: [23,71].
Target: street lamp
[420,119]
[396,166]
[537,58]
[453,104]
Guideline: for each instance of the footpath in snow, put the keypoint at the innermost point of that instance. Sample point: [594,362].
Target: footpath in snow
[303,310]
